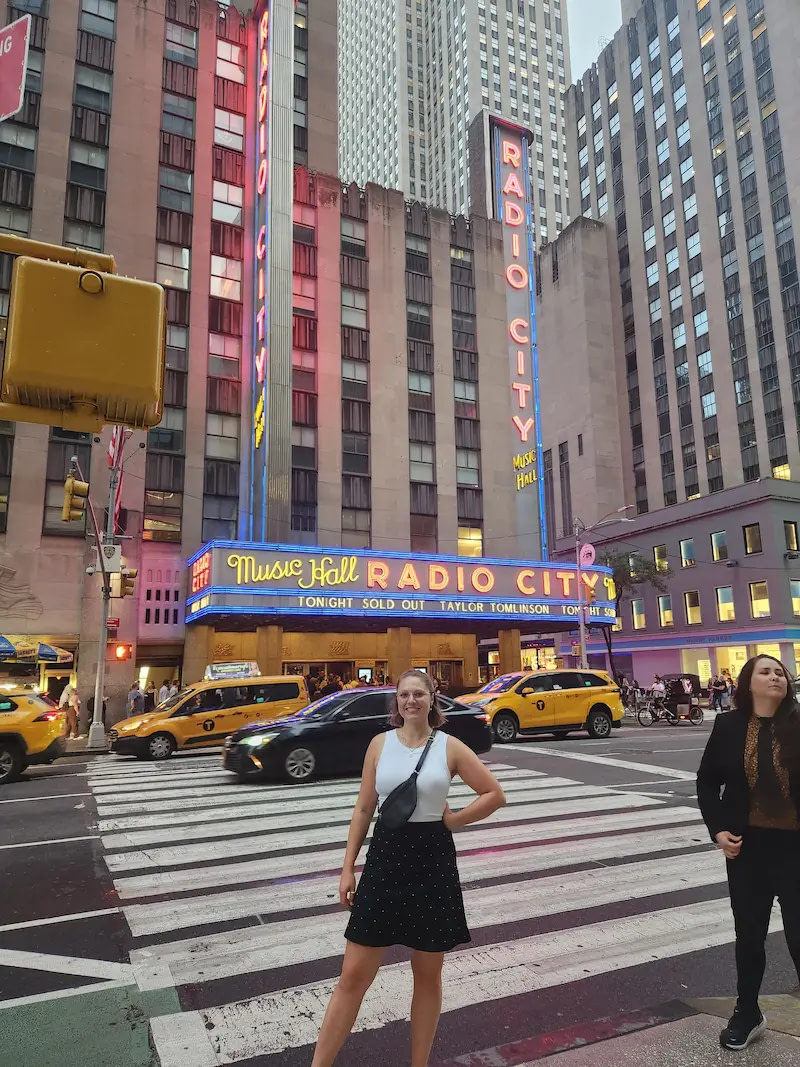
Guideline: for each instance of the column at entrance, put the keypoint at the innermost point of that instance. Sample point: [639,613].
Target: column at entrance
[398,652]
[470,658]
[196,652]
[510,651]
[269,649]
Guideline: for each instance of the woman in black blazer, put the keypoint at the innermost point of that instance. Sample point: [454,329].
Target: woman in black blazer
[748,788]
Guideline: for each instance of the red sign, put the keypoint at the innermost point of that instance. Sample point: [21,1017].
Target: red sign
[113,624]
[201,573]
[13,64]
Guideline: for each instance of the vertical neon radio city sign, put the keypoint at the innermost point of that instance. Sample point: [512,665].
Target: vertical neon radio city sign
[512,205]
[261,273]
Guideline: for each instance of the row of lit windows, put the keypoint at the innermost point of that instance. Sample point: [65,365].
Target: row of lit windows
[725,606]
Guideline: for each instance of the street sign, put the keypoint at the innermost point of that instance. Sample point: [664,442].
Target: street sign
[13,65]
[587,555]
[113,624]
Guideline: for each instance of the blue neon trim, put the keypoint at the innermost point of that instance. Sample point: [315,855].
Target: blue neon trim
[349,612]
[361,553]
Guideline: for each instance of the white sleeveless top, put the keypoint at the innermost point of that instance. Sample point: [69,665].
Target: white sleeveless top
[397,762]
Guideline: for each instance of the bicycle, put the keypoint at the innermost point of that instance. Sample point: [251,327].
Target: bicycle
[655,710]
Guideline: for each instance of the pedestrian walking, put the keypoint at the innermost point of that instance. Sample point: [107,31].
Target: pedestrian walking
[409,892]
[173,688]
[748,789]
[718,688]
[150,696]
[69,702]
[90,705]
[163,693]
[135,700]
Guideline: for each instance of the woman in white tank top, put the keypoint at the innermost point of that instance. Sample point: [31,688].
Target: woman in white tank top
[409,892]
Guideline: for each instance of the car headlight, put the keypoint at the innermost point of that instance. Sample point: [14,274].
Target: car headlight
[257,740]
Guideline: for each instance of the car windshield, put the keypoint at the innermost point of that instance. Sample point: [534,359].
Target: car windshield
[501,684]
[322,707]
[171,702]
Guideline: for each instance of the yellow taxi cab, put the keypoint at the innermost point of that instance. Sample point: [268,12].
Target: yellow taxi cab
[205,713]
[32,730]
[550,702]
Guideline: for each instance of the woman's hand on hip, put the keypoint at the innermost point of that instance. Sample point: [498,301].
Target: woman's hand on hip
[347,889]
[730,844]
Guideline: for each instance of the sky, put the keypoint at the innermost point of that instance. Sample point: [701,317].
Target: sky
[589,20]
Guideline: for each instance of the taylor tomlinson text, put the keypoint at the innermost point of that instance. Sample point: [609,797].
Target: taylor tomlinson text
[458,607]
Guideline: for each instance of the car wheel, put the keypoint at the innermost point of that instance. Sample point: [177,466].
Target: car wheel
[299,764]
[161,746]
[559,735]
[11,762]
[599,723]
[505,726]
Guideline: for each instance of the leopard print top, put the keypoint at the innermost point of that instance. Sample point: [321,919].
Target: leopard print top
[783,814]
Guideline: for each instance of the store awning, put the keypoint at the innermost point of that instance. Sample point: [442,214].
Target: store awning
[30,650]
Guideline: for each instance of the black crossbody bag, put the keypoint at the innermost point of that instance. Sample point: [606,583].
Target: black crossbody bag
[400,804]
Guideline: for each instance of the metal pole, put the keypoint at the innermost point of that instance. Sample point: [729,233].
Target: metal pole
[581,622]
[97,733]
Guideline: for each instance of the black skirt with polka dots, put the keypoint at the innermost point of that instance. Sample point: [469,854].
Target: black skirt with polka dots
[409,893]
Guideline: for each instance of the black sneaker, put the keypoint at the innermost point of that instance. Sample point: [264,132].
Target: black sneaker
[742,1030]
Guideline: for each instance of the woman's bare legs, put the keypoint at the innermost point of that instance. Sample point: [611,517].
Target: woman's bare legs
[358,973]
[426,1005]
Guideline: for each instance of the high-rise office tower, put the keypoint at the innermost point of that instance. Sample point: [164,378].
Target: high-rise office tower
[412,76]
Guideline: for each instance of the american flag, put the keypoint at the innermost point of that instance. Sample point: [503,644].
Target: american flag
[119,435]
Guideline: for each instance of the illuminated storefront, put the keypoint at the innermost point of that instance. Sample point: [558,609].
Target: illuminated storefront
[295,601]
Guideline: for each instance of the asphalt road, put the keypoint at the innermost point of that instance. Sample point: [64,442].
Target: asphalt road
[594,892]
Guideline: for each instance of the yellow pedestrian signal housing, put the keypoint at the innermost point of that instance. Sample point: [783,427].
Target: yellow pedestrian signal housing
[122,652]
[75,496]
[84,347]
[127,581]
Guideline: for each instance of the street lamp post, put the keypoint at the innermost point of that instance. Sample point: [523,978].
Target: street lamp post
[580,529]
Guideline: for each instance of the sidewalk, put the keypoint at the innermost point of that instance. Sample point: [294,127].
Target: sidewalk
[79,746]
[677,1034]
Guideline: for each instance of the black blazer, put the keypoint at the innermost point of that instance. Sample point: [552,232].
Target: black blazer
[722,790]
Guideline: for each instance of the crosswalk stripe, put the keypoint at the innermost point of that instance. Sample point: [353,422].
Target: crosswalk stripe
[508,902]
[250,805]
[176,855]
[604,841]
[290,1018]
[164,799]
[262,819]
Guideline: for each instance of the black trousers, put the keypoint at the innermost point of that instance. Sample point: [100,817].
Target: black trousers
[767,867]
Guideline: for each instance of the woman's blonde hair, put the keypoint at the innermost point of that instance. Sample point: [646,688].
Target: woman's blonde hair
[435,716]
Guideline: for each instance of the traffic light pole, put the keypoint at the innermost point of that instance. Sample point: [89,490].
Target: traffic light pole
[97,731]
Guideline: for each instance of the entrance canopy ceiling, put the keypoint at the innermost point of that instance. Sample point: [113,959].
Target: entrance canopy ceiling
[362,588]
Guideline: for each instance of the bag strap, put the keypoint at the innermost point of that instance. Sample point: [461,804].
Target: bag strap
[418,767]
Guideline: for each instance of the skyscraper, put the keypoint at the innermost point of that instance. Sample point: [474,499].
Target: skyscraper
[413,75]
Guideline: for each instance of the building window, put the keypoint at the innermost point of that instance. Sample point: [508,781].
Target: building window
[227,206]
[230,62]
[794,592]
[420,383]
[687,552]
[665,611]
[226,278]
[15,220]
[224,356]
[82,235]
[181,44]
[219,517]
[759,600]
[6,455]
[162,516]
[465,394]
[725,609]
[719,546]
[470,541]
[660,557]
[566,489]
[222,436]
[354,238]
[421,463]
[175,189]
[93,89]
[356,527]
[752,539]
[169,435]
[177,348]
[98,16]
[354,308]
[691,604]
[87,164]
[172,265]
[228,129]
[177,115]
[790,536]
[637,614]
[468,464]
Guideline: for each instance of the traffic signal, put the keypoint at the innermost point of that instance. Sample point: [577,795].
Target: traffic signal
[75,496]
[127,581]
[84,346]
[122,652]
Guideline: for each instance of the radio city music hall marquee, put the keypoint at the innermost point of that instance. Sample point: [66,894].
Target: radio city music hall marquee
[244,578]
